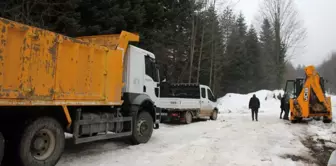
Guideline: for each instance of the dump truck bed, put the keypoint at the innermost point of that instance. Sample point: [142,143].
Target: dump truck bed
[39,67]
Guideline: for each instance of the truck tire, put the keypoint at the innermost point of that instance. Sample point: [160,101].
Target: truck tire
[214,115]
[326,120]
[188,117]
[41,143]
[143,128]
[2,147]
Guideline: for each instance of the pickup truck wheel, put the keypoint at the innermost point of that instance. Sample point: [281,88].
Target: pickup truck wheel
[143,128]
[188,117]
[42,143]
[214,115]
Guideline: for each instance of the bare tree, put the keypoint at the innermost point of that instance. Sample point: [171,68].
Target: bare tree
[212,46]
[192,44]
[200,56]
[288,28]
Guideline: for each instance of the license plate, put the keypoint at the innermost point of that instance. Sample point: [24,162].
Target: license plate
[164,114]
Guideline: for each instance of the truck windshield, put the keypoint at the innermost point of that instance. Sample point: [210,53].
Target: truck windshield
[290,88]
[151,68]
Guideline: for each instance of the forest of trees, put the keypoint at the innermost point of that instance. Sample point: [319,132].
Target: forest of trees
[194,41]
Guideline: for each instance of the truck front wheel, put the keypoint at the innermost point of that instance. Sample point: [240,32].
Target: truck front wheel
[214,115]
[143,128]
[42,143]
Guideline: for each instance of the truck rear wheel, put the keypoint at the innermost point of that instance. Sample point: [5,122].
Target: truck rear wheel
[143,128]
[42,143]
[188,117]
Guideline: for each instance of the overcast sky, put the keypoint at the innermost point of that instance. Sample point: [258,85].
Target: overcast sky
[319,18]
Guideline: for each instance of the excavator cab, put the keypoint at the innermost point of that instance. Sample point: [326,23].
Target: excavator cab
[306,97]
[294,87]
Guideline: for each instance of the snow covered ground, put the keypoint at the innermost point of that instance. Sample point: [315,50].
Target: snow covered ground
[232,140]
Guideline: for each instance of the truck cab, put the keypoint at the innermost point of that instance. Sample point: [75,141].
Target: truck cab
[141,78]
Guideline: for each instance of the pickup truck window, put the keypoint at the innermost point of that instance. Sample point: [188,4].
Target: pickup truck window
[203,93]
[211,96]
[151,69]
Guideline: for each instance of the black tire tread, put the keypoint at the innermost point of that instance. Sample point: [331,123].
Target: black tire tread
[212,116]
[135,139]
[185,117]
[2,147]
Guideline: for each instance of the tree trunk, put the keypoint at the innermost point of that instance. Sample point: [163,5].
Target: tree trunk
[215,72]
[212,51]
[200,57]
[192,45]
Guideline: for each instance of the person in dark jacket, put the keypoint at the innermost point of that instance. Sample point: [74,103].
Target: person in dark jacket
[254,105]
[282,105]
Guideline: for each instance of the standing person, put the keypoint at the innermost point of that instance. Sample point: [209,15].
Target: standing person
[286,109]
[282,105]
[254,105]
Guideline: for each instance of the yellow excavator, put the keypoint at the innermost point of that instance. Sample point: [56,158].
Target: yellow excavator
[307,98]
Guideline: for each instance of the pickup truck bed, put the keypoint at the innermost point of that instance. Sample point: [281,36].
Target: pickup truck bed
[179,104]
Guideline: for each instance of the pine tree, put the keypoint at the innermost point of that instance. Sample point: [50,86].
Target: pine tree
[268,58]
[236,50]
[60,16]
[110,16]
[253,60]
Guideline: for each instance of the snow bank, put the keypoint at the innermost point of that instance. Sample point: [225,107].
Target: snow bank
[238,103]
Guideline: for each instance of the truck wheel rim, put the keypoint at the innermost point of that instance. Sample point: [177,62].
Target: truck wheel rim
[188,117]
[142,127]
[43,144]
[215,115]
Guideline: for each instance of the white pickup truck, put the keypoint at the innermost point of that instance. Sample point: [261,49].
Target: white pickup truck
[185,102]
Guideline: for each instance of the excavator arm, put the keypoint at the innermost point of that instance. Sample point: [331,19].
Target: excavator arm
[315,84]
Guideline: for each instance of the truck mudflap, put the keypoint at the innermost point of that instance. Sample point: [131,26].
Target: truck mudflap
[158,116]
[2,147]
[156,125]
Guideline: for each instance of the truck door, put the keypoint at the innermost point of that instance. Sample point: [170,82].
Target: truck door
[212,101]
[205,105]
[151,83]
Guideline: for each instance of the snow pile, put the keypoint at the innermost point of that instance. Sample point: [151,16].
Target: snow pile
[322,130]
[238,103]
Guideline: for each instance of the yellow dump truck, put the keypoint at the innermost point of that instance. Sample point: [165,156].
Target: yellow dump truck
[94,87]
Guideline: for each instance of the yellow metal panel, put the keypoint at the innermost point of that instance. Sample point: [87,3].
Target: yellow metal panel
[110,41]
[11,60]
[114,76]
[39,67]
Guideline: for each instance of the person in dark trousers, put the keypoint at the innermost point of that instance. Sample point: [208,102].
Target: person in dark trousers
[286,109]
[282,105]
[254,105]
